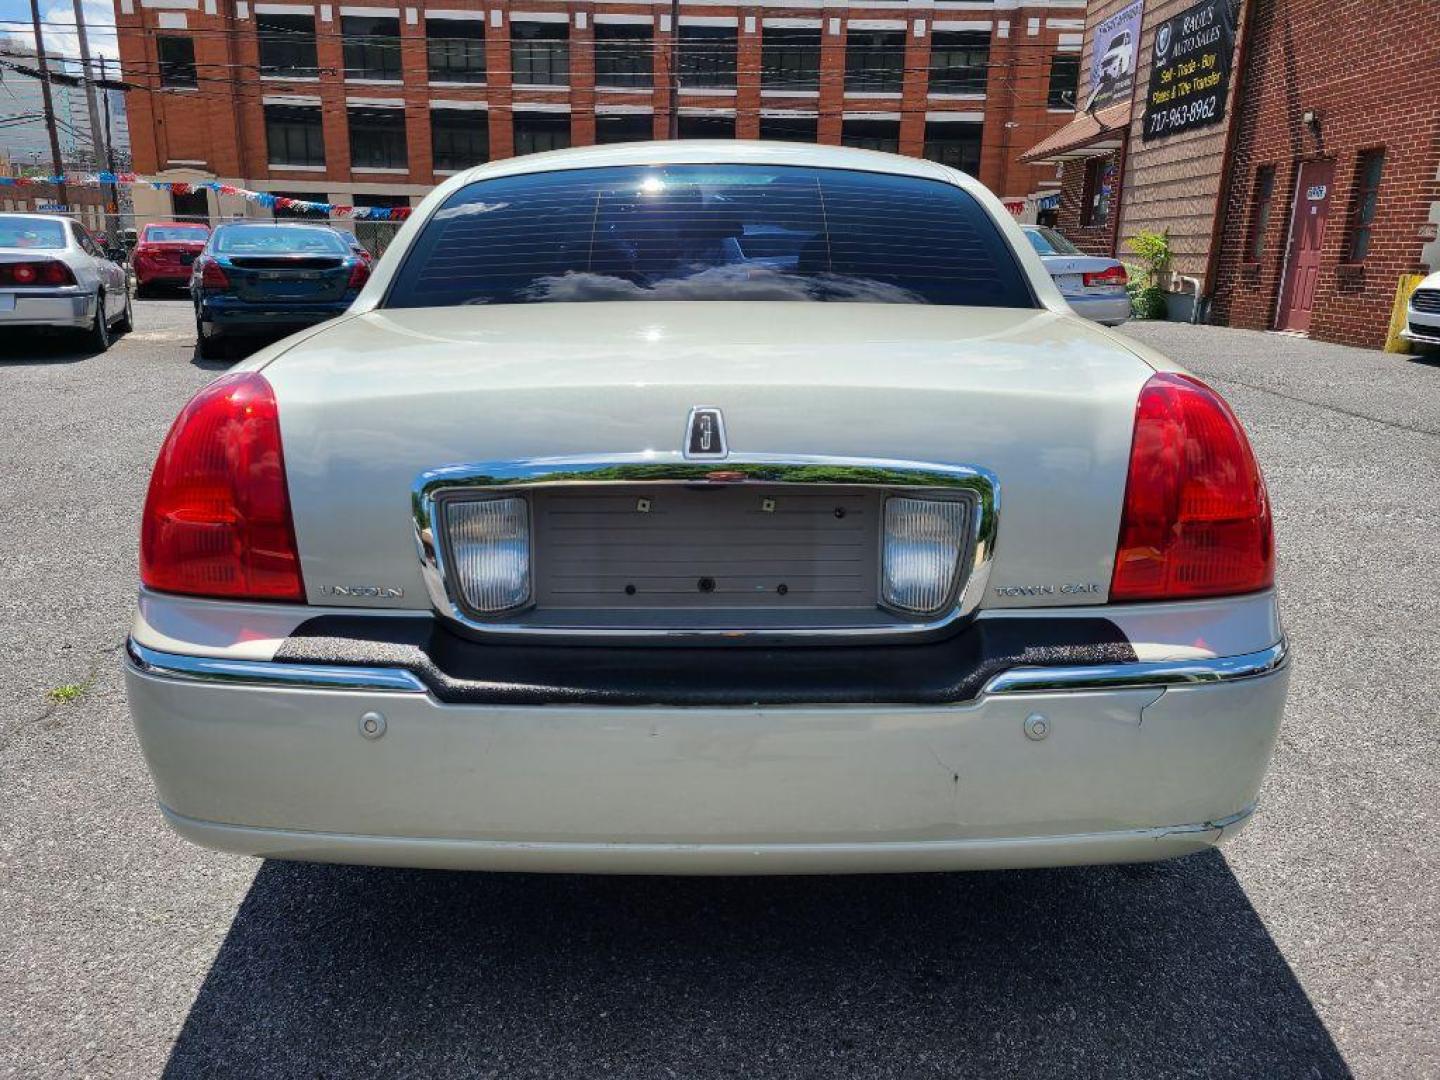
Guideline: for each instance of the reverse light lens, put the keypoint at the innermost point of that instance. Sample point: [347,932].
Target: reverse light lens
[217,517]
[920,559]
[490,552]
[1197,519]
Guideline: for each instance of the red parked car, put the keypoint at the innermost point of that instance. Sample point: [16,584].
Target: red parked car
[165,251]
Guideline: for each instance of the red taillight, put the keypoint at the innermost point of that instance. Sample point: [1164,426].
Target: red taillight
[212,276]
[1196,520]
[359,274]
[1113,276]
[41,272]
[217,518]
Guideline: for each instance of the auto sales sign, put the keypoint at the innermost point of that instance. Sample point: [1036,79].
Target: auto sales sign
[1190,69]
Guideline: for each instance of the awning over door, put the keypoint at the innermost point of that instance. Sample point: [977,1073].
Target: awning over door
[1088,135]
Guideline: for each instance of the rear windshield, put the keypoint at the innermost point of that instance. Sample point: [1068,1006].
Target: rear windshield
[1049,242]
[176,234]
[18,231]
[710,232]
[278,239]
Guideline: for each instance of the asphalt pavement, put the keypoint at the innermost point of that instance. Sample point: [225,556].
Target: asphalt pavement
[1307,948]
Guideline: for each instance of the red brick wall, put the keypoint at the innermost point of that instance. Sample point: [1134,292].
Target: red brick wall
[1369,68]
[222,122]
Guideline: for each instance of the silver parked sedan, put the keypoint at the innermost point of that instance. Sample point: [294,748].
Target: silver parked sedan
[708,507]
[1093,285]
[54,273]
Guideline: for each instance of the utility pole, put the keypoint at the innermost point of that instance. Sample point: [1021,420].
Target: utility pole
[97,139]
[114,198]
[674,68]
[56,163]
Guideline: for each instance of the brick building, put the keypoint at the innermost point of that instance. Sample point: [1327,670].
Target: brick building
[1314,192]
[366,104]
[1336,167]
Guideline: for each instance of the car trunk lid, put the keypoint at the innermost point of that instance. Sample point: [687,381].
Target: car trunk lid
[1043,401]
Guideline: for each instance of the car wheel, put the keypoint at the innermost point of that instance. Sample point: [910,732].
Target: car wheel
[210,346]
[127,318]
[97,338]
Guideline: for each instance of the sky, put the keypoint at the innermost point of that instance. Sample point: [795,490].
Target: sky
[60,39]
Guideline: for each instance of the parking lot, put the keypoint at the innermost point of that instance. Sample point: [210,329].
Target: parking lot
[1308,948]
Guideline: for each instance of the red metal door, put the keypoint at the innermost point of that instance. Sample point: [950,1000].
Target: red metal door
[1307,235]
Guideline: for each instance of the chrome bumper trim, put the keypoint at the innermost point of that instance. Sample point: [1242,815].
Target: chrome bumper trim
[1217,669]
[212,669]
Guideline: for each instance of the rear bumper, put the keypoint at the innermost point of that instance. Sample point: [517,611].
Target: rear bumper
[239,316]
[167,275]
[1110,310]
[65,309]
[274,759]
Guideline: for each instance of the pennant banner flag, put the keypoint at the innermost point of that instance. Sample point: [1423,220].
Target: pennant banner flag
[178,187]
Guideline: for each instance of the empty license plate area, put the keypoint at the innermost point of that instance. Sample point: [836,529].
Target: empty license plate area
[677,548]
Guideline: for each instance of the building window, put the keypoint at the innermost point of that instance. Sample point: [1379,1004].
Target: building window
[624,127]
[790,128]
[959,62]
[954,144]
[707,56]
[377,138]
[283,213]
[459,138]
[177,60]
[874,61]
[623,54]
[1100,176]
[1263,196]
[1367,192]
[535,132]
[707,127]
[456,50]
[372,46]
[872,135]
[540,53]
[287,45]
[790,58]
[294,135]
[1064,78]
[192,206]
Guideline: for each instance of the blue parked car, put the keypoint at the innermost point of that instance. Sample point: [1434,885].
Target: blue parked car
[264,278]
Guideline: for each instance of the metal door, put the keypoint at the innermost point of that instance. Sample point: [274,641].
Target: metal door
[1313,195]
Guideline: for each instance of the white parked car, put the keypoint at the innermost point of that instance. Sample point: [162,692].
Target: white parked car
[1422,313]
[707,507]
[1119,57]
[1094,285]
[54,273]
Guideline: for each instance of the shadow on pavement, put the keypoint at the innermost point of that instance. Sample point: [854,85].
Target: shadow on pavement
[22,347]
[1144,972]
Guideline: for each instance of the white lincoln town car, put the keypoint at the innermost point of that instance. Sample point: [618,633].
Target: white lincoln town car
[708,508]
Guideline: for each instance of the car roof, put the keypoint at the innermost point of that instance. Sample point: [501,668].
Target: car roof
[715,152]
[36,217]
[261,223]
